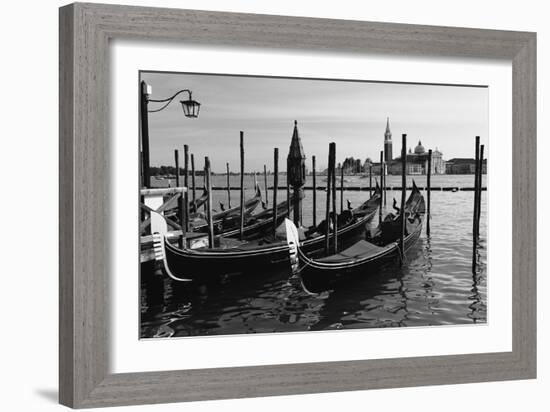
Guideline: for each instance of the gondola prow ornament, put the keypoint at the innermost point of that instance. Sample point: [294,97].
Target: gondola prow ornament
[296,167]
[293,241]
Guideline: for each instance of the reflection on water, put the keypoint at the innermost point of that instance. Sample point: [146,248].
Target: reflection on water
[436,286]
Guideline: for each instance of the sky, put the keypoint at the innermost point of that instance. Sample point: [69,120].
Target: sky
[351,113]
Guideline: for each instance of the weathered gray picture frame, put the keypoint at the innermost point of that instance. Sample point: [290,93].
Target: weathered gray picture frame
[85,32]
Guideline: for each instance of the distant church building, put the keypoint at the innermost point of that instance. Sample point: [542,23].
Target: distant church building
[417,162]
[388,151]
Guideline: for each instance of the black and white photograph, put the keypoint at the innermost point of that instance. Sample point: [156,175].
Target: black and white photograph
[277,205]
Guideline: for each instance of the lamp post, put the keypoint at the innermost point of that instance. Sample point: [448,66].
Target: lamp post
[190,108]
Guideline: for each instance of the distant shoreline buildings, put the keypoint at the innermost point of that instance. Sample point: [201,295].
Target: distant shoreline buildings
[417,161]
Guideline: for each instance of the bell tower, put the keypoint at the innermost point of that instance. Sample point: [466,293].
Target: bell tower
[388,152]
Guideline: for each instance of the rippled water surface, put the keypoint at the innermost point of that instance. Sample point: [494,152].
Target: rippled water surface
[436,286]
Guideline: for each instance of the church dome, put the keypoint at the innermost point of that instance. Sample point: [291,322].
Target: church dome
[419,149]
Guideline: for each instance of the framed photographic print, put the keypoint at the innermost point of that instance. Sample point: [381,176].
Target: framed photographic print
[258,205]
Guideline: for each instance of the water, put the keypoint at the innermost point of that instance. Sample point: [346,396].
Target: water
[435,286]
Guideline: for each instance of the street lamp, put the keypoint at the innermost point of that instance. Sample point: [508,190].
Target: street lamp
[190,108]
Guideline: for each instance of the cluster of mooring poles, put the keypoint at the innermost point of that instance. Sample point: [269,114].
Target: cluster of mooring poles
[296,177]
[184,211]
[183,201]
[181,208]
[331,230]
[478,172]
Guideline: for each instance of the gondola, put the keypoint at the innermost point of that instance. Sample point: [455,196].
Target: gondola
[171,209]
[249,206]
[232,256]
[362,257]
[364,208]
[255,226]
[227,217]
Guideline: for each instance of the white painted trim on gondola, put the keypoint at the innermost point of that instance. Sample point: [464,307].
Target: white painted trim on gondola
[160,256]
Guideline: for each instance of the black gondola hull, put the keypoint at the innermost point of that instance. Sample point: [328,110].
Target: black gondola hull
[363,258]
[202,264]
[318,279]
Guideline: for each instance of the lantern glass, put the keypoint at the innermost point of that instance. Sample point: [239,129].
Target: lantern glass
[190,108]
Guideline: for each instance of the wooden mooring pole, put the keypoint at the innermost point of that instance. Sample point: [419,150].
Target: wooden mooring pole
[204,186]
[193,183]
[141,197]
[177,161]
[370,180]
[208,181]
[327,211]
[287,194]
[275,187]
[428,195]
[479,186]
[474,223]
[314,183]
[334,213]
[385,183]
[241,230]
[382,187]
[341,190]
[186,183]
[379,207]
[228,187]
[265,186]
[181,211]
[403,195]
